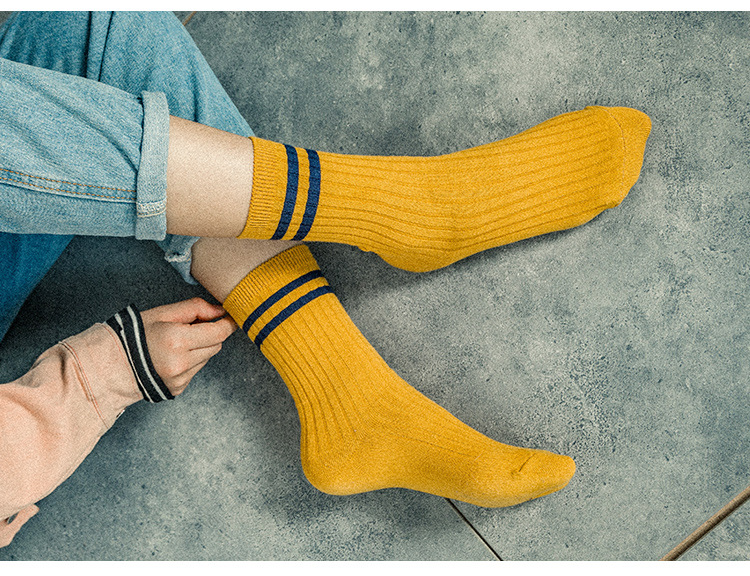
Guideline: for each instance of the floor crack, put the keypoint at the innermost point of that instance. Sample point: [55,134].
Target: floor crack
[470,525]
[709,525]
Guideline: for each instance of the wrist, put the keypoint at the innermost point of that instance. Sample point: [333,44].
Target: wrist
[128,326]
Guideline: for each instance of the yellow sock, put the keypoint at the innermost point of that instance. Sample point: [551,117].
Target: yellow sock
[363,427]
[421,214]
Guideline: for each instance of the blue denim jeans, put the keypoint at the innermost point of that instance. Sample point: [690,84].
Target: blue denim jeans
[85,100]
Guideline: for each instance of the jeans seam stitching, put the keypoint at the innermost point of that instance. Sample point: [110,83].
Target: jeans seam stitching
[65,182]
[69,191]
[142,214]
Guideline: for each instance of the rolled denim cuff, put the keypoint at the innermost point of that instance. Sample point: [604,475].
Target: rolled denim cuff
[178,251]
[151,182]
[151,187]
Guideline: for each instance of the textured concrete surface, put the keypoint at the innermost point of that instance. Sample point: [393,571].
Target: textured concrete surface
[623,343]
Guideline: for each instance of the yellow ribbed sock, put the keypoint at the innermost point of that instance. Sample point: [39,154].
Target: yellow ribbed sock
[421,214]
[363,427]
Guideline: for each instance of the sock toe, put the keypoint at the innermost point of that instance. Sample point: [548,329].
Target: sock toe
[635,127]
[550,472]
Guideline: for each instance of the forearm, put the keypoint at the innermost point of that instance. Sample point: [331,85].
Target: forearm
[54,415]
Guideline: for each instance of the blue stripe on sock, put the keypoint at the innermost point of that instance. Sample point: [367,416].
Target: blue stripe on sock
[292,183]
[288,311]
[278,295]
[313,195]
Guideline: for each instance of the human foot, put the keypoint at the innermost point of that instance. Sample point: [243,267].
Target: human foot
[363,427]
[421,214]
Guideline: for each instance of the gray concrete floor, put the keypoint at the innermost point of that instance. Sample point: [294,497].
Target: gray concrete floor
[623,343]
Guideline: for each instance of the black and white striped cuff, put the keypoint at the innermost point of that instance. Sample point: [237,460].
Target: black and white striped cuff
[128,326]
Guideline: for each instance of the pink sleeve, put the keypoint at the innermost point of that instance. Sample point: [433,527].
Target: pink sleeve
[53,416]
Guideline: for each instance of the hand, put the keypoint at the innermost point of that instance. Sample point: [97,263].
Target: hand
[182,337]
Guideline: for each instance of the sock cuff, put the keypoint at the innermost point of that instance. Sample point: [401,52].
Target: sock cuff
[286,191]
[269,183]
[273,291]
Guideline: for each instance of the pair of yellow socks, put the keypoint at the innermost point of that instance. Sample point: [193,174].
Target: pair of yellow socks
[363,427]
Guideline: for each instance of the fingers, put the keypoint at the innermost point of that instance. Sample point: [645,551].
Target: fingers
[177,384]
[187,311]
[182,381]
[203,355]
[197,360]
[183,337]
[180,371]
[209,334]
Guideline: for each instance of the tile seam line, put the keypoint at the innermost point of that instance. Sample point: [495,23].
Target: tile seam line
[473,528]
[709,525]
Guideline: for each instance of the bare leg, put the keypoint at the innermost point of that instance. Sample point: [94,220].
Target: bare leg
[219,264]
[203,161]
